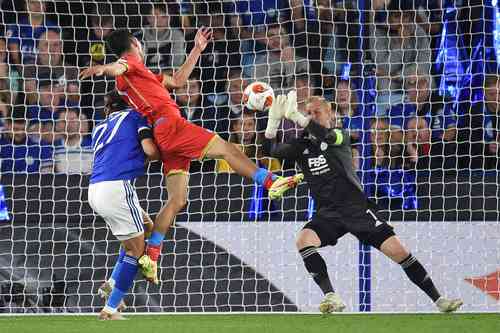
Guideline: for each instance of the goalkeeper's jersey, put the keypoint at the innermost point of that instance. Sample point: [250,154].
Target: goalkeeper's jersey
[325,157]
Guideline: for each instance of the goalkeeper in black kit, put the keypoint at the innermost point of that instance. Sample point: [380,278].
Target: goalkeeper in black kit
[324,155]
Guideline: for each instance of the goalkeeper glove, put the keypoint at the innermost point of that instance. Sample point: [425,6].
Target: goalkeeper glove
[292,112]
[276,113]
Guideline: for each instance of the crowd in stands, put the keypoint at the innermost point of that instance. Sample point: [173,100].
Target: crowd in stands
[47,114]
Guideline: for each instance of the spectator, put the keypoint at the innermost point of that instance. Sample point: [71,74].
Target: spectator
[480,136]
[235,87]
[400,42]
[190,100]
[22,36]
[232,105]
[164,44]
[220,56]
[9,78]
[350,114]
[429,16]
[491,125]
[244,135]
[50,101]
[387,155]
[408,130]
[50,64]
[433,113]
[92,51]
[73,152]
[277,64]
[334,30]
[348,108]
[249,21]
[320,33]
[18,153]
[305,86]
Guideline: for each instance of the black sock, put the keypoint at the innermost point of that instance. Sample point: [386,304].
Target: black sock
[316,267]
[418,275]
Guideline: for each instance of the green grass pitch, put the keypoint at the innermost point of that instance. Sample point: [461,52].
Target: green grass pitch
[257,323]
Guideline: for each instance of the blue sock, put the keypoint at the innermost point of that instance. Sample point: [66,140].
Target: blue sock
[261,174]
[114,274]
[126,275]
[156,238]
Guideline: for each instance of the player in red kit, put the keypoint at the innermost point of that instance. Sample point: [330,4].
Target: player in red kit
[178,140]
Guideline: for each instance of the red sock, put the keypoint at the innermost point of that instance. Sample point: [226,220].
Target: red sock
[153,252]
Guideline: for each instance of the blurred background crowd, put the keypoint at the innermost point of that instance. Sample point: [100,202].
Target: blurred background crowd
[414,81]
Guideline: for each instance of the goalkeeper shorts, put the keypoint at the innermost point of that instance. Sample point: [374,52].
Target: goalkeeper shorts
[117,203]
[366,226]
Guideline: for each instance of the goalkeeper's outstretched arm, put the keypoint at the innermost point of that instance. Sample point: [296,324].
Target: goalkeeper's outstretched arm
[281,151]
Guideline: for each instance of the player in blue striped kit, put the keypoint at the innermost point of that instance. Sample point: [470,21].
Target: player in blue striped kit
[122,144]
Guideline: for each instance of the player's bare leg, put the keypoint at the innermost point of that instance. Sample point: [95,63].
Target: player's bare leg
[242,165]
[134,248]
[394,249]
[307,243]
[177,189]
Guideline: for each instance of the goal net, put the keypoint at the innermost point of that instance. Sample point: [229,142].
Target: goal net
[414,82]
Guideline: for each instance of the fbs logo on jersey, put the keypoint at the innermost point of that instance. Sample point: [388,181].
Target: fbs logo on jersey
[318,165]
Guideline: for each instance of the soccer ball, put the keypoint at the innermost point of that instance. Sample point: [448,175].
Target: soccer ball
[258,96]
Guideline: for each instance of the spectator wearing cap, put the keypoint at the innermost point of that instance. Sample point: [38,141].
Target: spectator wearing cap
[164,44]
[73,151]
[50,64]
[22,37]
[18,152]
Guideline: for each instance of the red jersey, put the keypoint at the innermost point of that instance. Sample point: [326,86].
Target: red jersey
[144,90]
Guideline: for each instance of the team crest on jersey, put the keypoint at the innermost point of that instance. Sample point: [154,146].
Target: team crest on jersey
[323,146]
[306,151]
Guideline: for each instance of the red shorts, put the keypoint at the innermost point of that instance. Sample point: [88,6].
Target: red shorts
[179,142]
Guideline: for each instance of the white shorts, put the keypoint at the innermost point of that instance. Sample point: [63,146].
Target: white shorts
[117,203]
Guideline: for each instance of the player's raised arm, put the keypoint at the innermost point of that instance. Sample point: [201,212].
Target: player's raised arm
[113,69]
[180,77]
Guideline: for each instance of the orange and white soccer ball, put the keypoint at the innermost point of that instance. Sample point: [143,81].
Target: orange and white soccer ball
[258,96]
